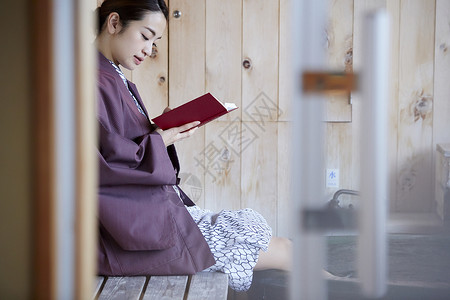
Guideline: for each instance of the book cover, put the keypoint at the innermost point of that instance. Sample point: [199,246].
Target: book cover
[204,109]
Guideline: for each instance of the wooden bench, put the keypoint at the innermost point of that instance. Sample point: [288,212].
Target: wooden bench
[203,285]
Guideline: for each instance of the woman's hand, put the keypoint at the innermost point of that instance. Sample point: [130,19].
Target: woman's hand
[175,134]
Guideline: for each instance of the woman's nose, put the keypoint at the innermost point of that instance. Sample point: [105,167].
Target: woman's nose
[147,51]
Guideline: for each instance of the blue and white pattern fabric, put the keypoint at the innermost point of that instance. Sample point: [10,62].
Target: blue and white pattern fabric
[124,79]
[235,238]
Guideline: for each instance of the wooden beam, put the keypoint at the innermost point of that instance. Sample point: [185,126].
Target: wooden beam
[44,283]
[330,83]
[86,159]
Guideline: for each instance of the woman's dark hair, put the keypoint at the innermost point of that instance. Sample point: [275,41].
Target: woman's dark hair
[129,10]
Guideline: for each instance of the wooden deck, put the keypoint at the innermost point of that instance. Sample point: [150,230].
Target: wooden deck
[203,285]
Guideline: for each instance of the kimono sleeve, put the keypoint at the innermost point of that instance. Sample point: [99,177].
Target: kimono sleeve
[144,162]
[129,153]
[136,174]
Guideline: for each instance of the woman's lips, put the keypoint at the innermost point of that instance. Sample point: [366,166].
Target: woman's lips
[137,60]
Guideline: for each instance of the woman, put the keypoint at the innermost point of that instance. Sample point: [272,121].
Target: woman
[147,224]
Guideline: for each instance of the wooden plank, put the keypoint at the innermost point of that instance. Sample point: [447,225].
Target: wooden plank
[284,179]
[260,43]
[441,114]
[223,52]
[187,76]
[340,56]
[186,51]
[340,156]
[98,284]
[44,258]
[393,8]
[441,119]
[21,220]
[342,138]
[166,287]
[208,285]
[442,181]
[191,152]
[223,79]
[123,288]
[222,165]
[259,169]
[86,161]
[286,76]
[415,128]
[260,48]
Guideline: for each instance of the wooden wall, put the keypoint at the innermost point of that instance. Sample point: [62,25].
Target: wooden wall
[16,185]
[242,160]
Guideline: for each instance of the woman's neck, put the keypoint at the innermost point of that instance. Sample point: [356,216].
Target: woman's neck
[102,44]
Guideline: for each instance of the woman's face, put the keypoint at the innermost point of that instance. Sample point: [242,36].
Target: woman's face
[131,45]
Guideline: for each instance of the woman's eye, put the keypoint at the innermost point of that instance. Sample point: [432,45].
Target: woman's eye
[145,38]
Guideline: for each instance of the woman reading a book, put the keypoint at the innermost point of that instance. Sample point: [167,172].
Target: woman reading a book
[147,224]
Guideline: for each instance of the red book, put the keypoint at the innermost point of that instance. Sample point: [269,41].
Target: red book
[204,109]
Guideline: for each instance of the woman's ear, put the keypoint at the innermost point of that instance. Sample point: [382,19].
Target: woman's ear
[113,23]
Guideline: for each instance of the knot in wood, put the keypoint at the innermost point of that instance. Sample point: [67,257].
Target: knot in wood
[423,107]
[247,63]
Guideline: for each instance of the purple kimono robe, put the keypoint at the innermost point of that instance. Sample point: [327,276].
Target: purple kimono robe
[144,227]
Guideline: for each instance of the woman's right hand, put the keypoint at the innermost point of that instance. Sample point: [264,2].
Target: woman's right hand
[175,134]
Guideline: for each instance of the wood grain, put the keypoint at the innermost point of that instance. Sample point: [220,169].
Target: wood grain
[393,8]
[223,52]
[286,76]
[86,159]
[339,34]
[44,284]
[285,186]
[166,287]
[206,285]
[415,128]
[187,75]
[259,170]
[441,111]
[221,162]
[260,47]
[442,184]
[222,165]
[441,117]
[340,156]
[186,51]
[97,286]
[123,288]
